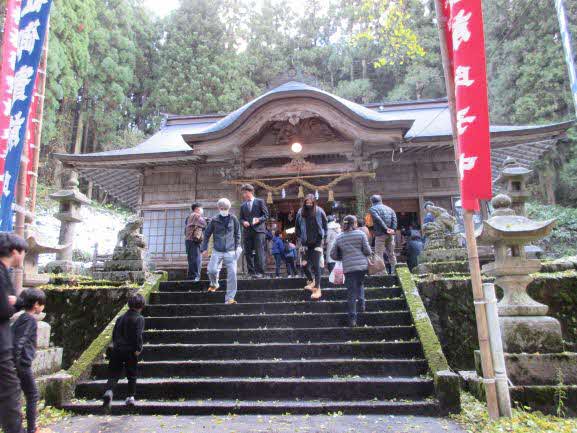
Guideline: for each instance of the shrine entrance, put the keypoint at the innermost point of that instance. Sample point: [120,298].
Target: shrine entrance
[283,212]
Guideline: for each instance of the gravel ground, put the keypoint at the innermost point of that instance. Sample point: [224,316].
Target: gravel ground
[255,424]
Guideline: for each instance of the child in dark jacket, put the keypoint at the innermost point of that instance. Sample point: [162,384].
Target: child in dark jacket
[24,337]
[290,256]
[127,346]
[277,251]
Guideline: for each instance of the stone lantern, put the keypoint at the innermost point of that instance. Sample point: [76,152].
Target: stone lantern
[525,327]
[70,201]
[514,179]
[36,246]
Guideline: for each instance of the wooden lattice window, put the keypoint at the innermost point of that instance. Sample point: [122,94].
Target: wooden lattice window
[164,231]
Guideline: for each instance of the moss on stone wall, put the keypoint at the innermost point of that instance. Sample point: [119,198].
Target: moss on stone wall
[447,387]
[449,303]
[431,345]
[78,314]
[81,367]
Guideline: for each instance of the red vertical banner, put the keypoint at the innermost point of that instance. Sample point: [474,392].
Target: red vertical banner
[466,44]
[9,50]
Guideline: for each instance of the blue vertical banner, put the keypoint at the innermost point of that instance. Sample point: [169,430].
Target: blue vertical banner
[566,40]
[31,34]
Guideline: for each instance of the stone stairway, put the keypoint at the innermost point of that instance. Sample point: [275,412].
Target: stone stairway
[275,352]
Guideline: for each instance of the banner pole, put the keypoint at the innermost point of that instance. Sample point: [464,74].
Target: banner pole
[20,209]
[567,48]
[472,252]
[43,72]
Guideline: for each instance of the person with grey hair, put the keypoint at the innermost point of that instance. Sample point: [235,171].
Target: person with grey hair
[225,231]
[384,226]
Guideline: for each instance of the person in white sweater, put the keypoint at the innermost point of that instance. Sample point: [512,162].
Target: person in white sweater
[334,229]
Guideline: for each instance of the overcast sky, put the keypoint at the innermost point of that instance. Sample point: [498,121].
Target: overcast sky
[161,7]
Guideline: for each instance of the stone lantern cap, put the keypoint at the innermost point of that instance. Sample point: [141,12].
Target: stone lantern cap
[70,195]
[37,245]
[506,227]
[513,173]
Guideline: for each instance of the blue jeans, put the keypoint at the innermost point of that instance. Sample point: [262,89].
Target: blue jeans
[217,260]
[356,292]
[278,259]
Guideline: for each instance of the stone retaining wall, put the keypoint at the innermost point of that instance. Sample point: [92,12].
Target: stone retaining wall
[449,302]
[78,314]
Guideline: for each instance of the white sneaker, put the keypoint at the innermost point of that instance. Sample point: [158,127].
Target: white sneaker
[130,401]
[107,400]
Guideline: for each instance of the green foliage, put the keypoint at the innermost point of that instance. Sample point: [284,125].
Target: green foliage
[48,415]
[81,256]
[357,90]
[114,67]
[561,242]
[475,419]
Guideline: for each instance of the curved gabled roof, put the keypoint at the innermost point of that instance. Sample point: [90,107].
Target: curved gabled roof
[423,121]
[293,89]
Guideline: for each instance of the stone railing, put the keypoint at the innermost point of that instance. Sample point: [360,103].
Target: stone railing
[447,384]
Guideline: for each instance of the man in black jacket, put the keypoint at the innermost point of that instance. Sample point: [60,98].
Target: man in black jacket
[12,249]
[384,227]
[25,335]
[127,346]
[253,216]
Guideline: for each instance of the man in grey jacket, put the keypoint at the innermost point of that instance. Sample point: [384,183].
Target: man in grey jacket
[225,230]
[384,226]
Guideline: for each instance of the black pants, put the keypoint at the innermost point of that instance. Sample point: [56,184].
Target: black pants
[313,259]
[194,259]
[30,391]
[254,251]
[122,361]
[10,406]
[290,266]
[355,292]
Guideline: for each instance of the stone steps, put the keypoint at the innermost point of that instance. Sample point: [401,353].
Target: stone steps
[424,407]
[295,320]
[268,389]
[263,368]
[159,352]
[270,308]
[267,284]
[275,295]
[274,352]
[280,335]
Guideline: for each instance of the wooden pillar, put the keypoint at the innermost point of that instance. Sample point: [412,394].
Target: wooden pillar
[547,182]
[360,191]
[89,189]
[421,210]
[420,194]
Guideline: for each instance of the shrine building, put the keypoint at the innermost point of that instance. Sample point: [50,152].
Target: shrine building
[293,140]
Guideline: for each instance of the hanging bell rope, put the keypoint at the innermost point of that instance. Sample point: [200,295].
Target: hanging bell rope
[301,192]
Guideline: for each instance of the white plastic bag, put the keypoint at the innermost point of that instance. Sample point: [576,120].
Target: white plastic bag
[337,275]
[238,253]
